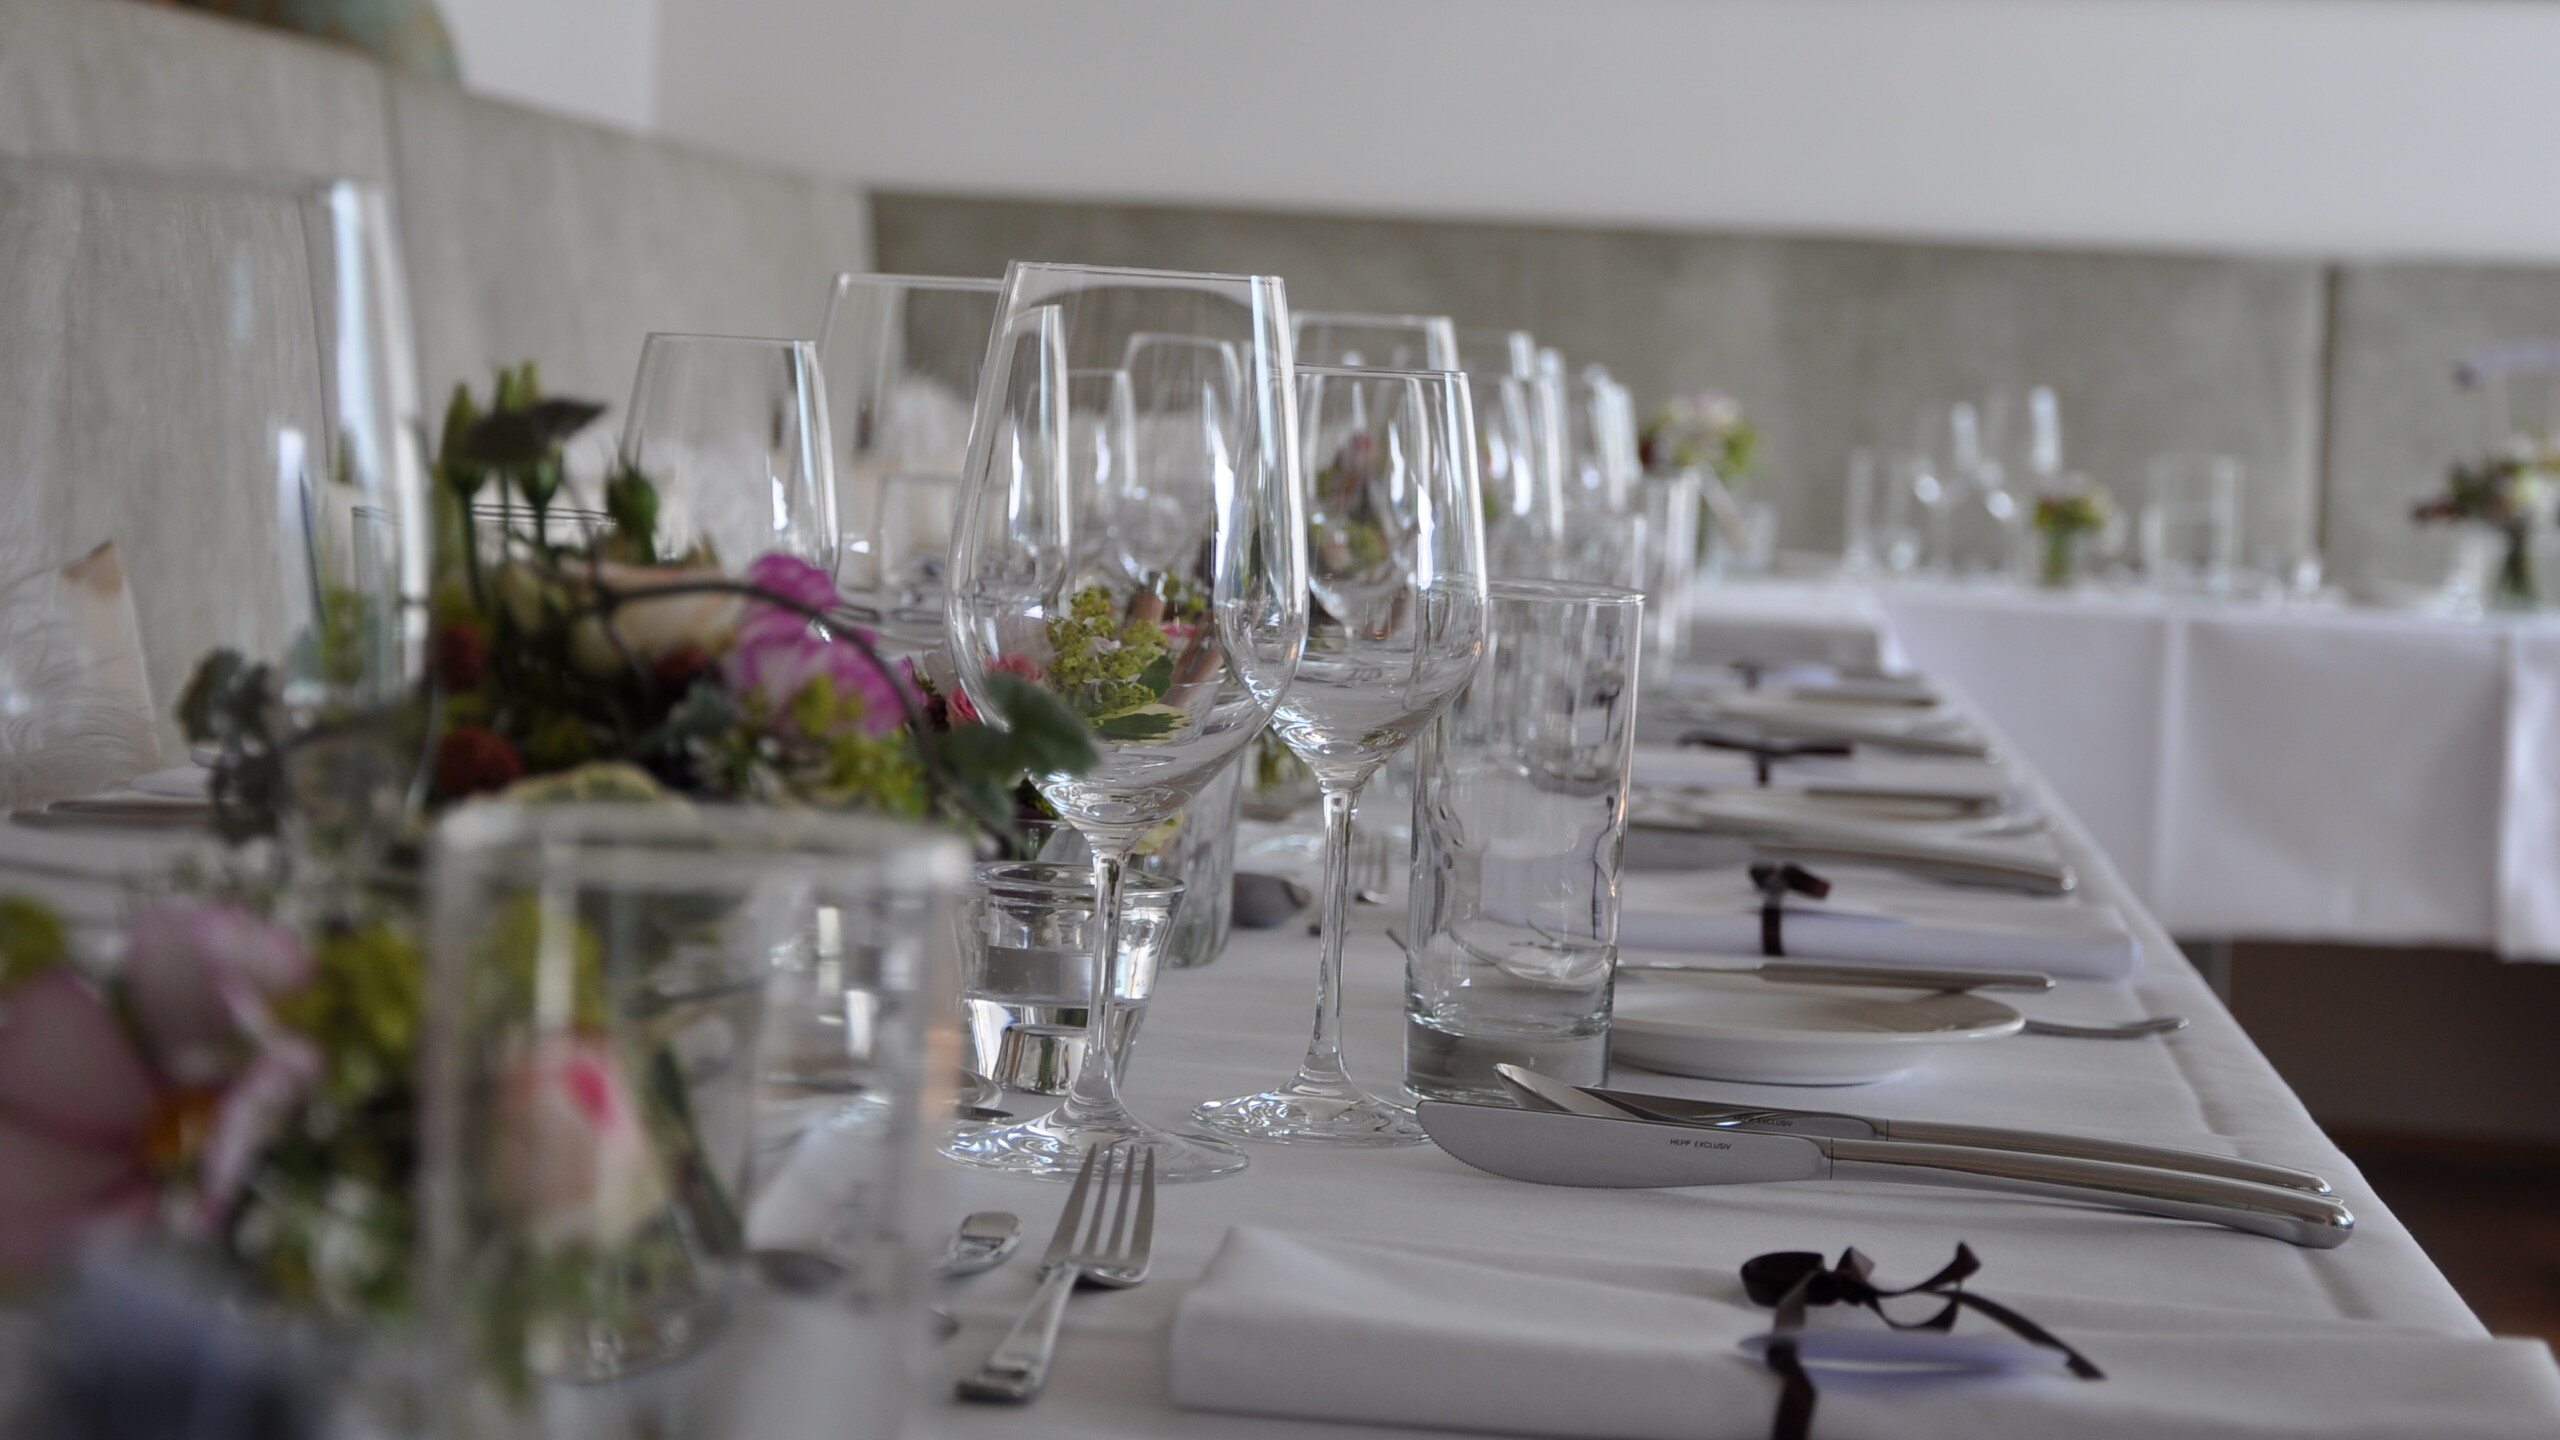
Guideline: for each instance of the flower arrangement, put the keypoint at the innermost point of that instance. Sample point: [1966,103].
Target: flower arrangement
[2062,517]
[1706,429]
[595,654]
[245,1076]
[2508,492]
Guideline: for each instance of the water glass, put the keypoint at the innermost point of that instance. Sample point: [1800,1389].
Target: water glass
[676,1077]
[2191,522]
[1518,826]
[1393,342]
[1026,968]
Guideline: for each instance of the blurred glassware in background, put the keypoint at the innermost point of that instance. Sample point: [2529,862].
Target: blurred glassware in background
[1519,827]
[733,432]
[1986,521]
[1386,342]
[2190,533]
[1861,513]
[676,1117]
[1600,442]
[1672,508]
[1522,484]
[1026,967]
[901,355]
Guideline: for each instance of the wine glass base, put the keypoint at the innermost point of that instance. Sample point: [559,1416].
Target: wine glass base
[1053,1147]
[1305,1116]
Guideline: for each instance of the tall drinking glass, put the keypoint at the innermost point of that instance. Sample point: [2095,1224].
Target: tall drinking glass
[676,1117]
[2191,523]
[1387,342]
[733,432]
[1600,442]
[1169,614]
[901,355]
[1395,561]
[1519,825]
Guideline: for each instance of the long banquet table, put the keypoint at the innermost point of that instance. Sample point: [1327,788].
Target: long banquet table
[1240,1023]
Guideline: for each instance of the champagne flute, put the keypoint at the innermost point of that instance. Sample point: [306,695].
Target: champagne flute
[1395,561]
[1167,609]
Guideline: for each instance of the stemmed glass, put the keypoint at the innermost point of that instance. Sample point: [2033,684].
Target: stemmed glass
[1390,342]
[901,355]
[1168,611]
[1395,558]
[733,433]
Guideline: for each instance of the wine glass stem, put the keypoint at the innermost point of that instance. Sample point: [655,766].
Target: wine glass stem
[1323,1065]
[1094,1095]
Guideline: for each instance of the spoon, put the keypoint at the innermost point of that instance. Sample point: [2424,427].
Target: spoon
[2129,1030]
[985,1239]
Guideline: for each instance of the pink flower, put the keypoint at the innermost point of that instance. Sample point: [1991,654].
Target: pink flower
[1023,665]
[777,662]
[793,579]
[198,977]
[91,1121]
[571,1158]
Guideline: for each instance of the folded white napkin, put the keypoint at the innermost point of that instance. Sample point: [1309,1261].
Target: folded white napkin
[1719,913]
[1354,1331]
[1695,767]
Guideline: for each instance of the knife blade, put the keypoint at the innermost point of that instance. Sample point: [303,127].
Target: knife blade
[1534,1088]
[1823,972]
[1552,1148]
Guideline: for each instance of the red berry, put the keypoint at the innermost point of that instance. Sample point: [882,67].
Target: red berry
[473,758]
[461,654]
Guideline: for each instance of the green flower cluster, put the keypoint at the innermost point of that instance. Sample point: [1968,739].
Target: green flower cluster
[1104,666]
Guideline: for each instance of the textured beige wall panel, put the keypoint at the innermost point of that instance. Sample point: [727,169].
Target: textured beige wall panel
[1831,344]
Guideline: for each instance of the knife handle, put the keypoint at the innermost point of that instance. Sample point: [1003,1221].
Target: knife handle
[2319,1222]
[2158,1157]
[1902,977]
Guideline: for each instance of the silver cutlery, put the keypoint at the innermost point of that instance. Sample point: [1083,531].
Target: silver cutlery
[1814,972]
[1111,1252]
[1540,1091]
[1594,1149]
[2129,1030]
[984,1241]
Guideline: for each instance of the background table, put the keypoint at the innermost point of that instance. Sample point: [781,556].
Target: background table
[1240,1024]
[2307,774]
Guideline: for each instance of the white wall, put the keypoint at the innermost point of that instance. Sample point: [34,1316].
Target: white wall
[595,59]
[2357,126]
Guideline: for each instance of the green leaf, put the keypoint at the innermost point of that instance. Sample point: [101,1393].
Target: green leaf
[1148,722]
[513,439]
[1158,677]
[201,704]
[1047,734]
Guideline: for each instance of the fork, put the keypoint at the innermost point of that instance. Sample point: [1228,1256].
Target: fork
[1112,1254]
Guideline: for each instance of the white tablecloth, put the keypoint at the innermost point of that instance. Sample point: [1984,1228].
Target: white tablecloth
[1240,1023]
[2355,776]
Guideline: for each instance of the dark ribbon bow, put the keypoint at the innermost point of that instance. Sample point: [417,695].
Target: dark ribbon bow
[1765,750]
[1775,880]
[1788,1281]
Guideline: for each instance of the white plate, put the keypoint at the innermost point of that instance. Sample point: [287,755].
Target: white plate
[1740,1027]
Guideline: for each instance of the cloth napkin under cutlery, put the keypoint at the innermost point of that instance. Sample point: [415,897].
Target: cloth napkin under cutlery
[1878,922]
[1343,1330]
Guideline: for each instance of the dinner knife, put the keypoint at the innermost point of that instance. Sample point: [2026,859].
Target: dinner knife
[1549,1148]
[1534,1089]
[1821,972]
[1943,860]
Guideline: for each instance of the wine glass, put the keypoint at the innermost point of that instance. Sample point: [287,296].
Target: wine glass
[1167,609]
[901,355]
[1395,561]
[733,433]
[1393,342]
